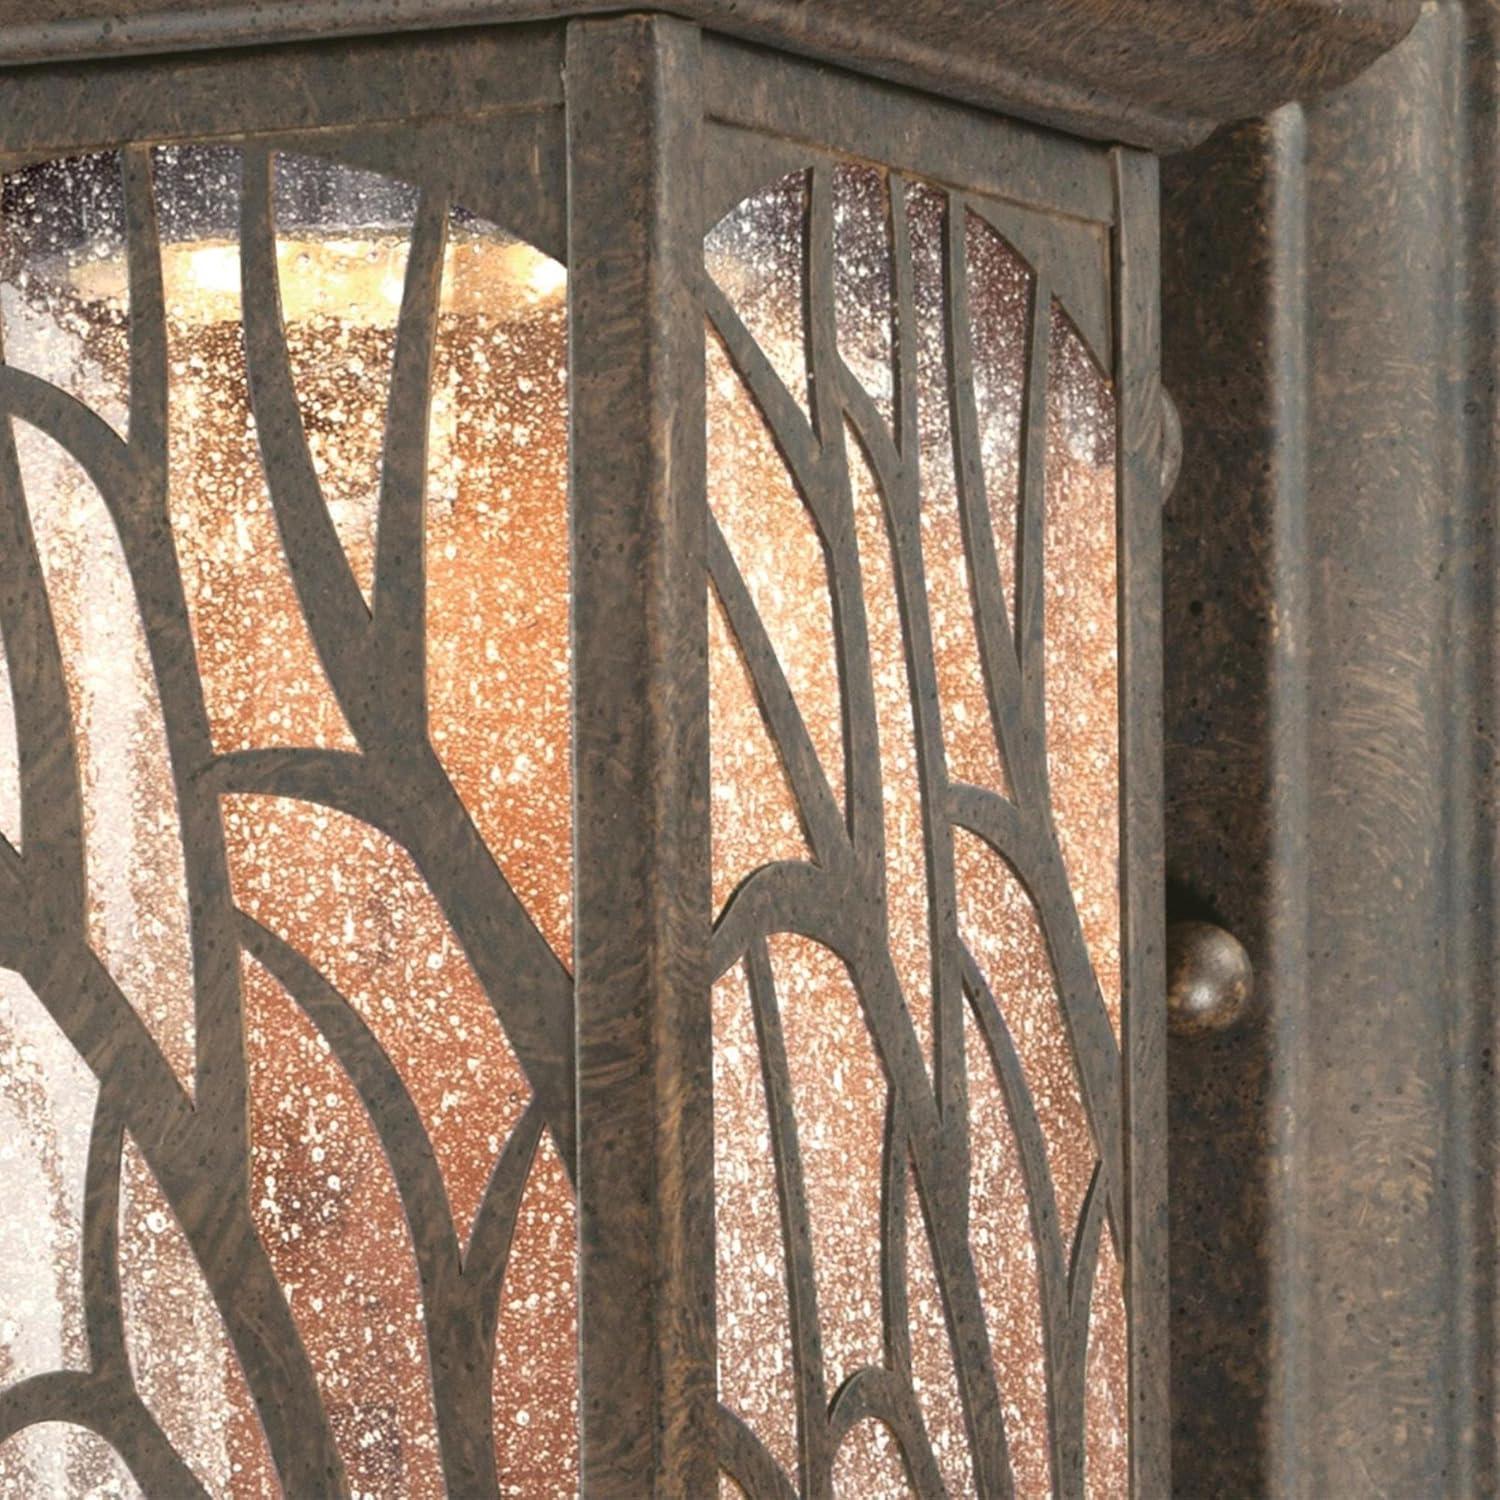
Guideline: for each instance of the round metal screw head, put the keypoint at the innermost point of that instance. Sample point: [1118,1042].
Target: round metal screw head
[1209,978]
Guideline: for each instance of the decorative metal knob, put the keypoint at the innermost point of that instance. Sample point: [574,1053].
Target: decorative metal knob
[1209,978]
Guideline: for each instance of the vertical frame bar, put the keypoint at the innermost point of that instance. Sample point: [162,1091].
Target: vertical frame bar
[645,1118]
[1138,394]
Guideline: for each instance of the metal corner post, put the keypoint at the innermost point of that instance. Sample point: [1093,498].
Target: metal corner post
[1137,279]
[645,1179]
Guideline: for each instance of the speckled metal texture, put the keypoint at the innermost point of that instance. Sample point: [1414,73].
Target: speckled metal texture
[641,706]
[1330,576]
[1152,73]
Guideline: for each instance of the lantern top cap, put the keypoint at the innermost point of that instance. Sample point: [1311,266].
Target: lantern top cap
[1156,73]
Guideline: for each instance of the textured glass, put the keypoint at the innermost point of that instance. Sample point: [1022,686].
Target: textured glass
[754,1324]
[137,917]
[900,782]
[498,675]
[535,1382]
[755,815]
[1005,1257]
[47,1098]
[1107,1449]
[353,904]
[263,681]
[180,1359]
[64,297]
[838,1094]
[10,765]
[340,298]
[933,1378]
[779,556]
[286,609]
[1000,291]
[913,688]
[999,924]
[57,1458]
[755,256]
[1082,636]
[973,750]
[869,1463]
[864,272]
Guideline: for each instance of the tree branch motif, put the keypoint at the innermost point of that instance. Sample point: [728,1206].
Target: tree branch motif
[838,898]
[198,1148]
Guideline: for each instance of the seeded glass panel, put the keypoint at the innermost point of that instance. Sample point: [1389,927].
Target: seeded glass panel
[47,1102]
[890,545]
[64,304]
[263,682]
[900,780]
[1082,636]
[284,772]
[1006,1260]
[869,1463]
[972,748]
[755,256]
[136,919]
[755,819]
[756,1374]
[1107,1451]
[58,1458]
[340,298]
[774,554]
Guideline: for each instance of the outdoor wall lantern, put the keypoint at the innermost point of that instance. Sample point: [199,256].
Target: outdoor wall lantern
[581,897]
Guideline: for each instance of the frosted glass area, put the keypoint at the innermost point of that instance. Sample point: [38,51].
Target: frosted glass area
[57,1458]
[864,280]
[999,924]
[1082,636]
[780,557]
[64,297]
[970,735]
[1006,1260]
[137,915]
[180,1356]
[262,681]
[498,657]
[1107,1446]
[340,298]
[296,644]
[47,1097]
[755,256]
[914,726]
[756,1377]
[755,819]
[900,776]
[869,1463]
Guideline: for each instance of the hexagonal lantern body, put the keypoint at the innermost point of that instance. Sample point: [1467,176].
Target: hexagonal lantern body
[580,767]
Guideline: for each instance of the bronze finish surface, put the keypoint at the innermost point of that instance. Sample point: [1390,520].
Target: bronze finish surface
[1157,73]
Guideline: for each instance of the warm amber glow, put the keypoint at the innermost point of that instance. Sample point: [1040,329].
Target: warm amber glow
[838,1088]
[355,279]
[324,1197]
[498,669]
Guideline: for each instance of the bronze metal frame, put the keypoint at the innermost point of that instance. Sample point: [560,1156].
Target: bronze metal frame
[1084,217]
[640,167]
[1330,332]
[1153,73]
